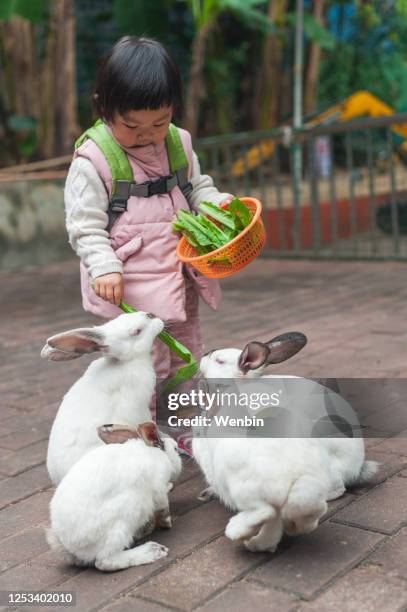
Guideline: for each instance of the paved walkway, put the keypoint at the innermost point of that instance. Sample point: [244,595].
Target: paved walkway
[354,315]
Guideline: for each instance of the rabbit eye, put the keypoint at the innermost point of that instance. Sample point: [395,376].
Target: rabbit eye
[136,332]
[220,361]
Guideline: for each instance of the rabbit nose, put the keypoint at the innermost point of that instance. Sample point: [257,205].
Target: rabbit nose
[150,315]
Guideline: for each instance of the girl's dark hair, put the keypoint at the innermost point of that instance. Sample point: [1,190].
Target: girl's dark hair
[136,74]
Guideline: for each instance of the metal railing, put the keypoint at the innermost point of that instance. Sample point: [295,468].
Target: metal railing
[353,197]
[353,188]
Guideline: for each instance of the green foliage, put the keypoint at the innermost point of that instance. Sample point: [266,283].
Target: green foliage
[18,122]
[248,11]
[401,8]
[317,33]
[203,11]
[24,129]
[313,30]
[369,15]
[374,59]
[226,69]
[143,18]
[6,9]
[28,144]
[33,10]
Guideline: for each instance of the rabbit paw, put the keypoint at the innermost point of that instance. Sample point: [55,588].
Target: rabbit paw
[267,539]
[335,493]
[152,551]
[238,529]
[256,545]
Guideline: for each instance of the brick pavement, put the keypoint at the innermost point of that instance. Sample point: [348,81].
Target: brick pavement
[354,315]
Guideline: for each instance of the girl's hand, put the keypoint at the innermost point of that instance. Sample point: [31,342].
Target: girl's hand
[109,287]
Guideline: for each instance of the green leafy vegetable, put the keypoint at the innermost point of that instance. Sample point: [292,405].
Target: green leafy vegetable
[223,259]
[223,216]
[237,207]
[192,225]
[214,228]
[217,235]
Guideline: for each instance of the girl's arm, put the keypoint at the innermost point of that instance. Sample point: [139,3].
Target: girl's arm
[86,204]
[203,187]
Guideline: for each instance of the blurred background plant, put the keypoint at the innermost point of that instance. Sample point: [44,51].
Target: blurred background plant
[38,101]
[236,58]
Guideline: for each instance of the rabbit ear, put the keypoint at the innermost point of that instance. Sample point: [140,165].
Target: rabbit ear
[253,356]
[285,346]
[55,355]
[149,432]
[72,344]
[117,434]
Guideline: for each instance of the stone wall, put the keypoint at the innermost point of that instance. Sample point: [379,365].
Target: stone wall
[32,223]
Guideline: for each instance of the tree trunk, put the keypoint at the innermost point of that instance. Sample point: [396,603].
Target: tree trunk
[20,87]
[60,78]
[19,47]
[312,69]
[47,128]
[268,85]
[195,87]
[43,88]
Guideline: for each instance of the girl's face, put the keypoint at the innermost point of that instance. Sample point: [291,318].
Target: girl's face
[141,127]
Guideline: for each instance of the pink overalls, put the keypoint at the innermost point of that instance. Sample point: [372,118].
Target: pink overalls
[142,237]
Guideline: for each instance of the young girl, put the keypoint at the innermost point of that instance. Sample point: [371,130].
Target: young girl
[138,90]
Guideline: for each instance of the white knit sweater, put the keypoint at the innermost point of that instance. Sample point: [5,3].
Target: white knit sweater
[86,204]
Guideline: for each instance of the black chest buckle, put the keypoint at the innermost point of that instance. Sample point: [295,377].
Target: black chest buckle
[159,186]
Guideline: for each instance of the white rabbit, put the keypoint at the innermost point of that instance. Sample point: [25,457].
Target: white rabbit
[117,388]
[347,455]
[114,495]
[275,484]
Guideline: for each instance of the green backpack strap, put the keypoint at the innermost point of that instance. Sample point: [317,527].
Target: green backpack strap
[116,158]
[177,158]
[119,165]
[175,149]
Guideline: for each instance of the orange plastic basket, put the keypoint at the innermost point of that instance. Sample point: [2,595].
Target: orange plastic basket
[234,255]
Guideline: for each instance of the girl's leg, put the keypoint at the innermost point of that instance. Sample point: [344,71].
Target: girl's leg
[189,334]
[162,363]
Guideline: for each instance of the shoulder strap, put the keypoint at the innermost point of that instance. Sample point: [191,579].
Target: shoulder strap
[119,165]
[178,161]
[175,149]
[115,156]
